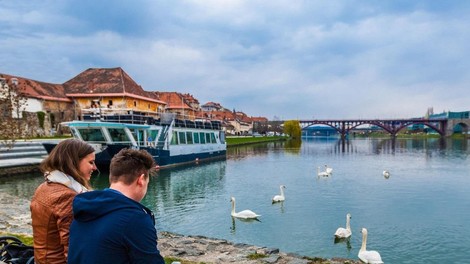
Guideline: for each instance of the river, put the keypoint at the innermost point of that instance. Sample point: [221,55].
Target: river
[420,214]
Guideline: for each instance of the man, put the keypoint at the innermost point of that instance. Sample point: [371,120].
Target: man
[112,226]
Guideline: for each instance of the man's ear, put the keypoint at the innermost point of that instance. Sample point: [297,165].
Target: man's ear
[141,179]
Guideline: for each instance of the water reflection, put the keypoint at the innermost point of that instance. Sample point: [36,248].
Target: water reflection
[394,145]
[22,185]
[345,241]
[293,146]
[246,151]
[233,227]
[187,184]
[281,206]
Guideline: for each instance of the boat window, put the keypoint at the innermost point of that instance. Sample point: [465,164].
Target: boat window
[189,137]
[196,138]
[74,133]
[213,140]
[203,138]
[182,137]
[222,137]
[94,135]
[118,135]
[140,138]
[208,138]
[174,138]
[152,135]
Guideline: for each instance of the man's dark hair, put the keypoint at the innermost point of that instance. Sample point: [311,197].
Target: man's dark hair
[128,164]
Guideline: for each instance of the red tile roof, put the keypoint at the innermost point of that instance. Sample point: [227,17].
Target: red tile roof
[174,100]
[39,90]
[105,82]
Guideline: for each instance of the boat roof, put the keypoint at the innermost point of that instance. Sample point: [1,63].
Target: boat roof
[104,124]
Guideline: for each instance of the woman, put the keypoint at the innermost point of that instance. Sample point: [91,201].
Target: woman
[67,172]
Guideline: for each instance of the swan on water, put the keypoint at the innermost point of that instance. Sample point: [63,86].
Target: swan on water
[365,255]
[280,198]
[328,169]
[322,173]
[386,174]
[342,232]
[245,214]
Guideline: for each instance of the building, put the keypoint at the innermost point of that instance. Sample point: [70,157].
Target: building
[98,91]
[110,90]
[185,106]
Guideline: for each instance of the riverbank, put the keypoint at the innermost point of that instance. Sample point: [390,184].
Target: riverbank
[246,140]
[15,219]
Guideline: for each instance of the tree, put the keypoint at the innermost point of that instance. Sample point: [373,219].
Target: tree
[293,129]
[12,105]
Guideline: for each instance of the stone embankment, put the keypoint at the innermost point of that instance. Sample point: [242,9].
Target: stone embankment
[199,249]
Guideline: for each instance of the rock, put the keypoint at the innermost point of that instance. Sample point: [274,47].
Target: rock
[201,249]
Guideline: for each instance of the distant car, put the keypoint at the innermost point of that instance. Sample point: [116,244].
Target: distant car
[256,134]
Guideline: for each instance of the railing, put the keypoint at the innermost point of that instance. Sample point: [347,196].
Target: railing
[162,119]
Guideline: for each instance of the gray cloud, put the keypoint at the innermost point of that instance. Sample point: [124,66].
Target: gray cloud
[291,59]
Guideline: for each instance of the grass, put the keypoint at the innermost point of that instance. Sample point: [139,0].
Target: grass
[236,141]
[169,260]
[254,256]
[26,239]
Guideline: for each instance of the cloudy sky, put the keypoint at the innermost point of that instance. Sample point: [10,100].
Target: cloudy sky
[283,59]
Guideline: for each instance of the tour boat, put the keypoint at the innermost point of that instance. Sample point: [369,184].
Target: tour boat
[169,140]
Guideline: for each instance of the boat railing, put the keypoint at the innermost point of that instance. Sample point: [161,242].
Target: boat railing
[162,119]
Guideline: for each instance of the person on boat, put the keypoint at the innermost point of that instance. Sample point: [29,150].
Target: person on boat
[67,172]
[150,141]
[111,225]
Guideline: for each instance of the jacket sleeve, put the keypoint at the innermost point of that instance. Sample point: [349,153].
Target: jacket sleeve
[141,238]
[64,216]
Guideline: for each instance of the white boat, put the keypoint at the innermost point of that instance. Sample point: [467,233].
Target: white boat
[169,140]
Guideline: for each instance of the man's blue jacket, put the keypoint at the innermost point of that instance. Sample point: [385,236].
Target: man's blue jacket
[109,227]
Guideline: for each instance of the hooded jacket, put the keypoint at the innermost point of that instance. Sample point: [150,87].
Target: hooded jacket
[109,227]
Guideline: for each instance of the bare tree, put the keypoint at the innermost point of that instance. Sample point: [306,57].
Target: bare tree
[12,104]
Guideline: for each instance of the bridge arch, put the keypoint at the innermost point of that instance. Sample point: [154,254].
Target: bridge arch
[392,126]
[460,127]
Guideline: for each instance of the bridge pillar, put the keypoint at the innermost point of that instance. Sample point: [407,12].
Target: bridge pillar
[451,123]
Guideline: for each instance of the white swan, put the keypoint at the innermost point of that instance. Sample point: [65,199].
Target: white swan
[280,198]
[342,232]
[386,174]
[322,173]
[328,169]
[365,255]
[245,214]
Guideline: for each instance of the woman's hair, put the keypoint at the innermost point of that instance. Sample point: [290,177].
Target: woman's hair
[66,157]
[128,164]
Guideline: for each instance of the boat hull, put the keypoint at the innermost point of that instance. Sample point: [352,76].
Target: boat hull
[162,157]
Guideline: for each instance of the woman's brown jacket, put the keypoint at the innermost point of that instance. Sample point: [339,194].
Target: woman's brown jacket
[51,213]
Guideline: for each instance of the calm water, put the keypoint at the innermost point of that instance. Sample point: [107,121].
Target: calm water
[419,215]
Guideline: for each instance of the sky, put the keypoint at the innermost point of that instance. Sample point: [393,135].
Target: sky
[281,59]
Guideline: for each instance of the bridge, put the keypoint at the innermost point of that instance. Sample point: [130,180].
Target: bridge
[443,126]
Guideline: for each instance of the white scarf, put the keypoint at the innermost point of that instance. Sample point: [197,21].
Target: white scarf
[62,178]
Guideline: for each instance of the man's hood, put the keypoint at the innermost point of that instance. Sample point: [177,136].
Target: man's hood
[91,205]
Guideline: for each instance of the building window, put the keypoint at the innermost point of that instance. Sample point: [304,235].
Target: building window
[135,103]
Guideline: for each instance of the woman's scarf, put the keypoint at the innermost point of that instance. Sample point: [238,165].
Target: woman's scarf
[64,179]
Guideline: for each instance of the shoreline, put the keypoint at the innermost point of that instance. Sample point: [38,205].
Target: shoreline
[15,218]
